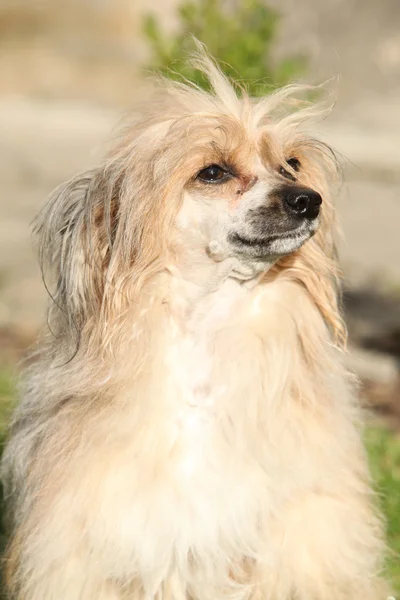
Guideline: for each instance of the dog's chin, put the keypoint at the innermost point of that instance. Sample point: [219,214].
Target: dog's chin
[271,246]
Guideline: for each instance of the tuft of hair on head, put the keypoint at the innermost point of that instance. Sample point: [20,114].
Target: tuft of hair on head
[220,85]
[221,94]
[289,107]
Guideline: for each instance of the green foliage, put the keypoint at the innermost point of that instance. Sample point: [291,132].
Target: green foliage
[240,37]
[384,454]
[7,396]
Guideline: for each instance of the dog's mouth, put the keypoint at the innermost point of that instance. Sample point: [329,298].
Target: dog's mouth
[274,244]
[261,241]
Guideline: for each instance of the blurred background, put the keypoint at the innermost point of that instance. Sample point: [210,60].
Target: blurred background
[70,68]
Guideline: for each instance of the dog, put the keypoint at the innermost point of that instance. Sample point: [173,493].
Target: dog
[188,430]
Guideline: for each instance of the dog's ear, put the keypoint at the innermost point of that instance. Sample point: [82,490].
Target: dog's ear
[75,231]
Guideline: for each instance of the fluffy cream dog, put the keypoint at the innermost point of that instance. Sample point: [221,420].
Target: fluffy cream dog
[188,430]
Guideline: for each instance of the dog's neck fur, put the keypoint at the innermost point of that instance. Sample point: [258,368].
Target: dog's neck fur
[201,274]
[206,298]
[203,295]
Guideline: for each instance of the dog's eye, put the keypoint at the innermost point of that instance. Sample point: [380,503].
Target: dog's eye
[213,174]
[294,163]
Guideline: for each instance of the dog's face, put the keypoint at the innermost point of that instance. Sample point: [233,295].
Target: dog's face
[252,201]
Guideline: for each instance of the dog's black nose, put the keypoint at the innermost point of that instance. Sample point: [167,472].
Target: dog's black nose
[303,202]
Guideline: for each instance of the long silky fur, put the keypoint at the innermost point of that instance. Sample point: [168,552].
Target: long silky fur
[97,509]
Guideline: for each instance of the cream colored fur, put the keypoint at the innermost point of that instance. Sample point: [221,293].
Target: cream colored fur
[188,430]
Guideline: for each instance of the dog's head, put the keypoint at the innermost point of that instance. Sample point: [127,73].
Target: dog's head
[247,192]
[197,176]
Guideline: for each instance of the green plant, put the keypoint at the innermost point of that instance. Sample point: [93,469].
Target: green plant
[239,35]
[384,454]
[7,396]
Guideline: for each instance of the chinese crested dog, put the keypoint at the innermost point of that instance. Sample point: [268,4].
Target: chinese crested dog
[188,430]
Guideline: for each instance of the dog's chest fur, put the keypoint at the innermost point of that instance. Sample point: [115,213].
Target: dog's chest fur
[215,488]
[191,354]
[198,475]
